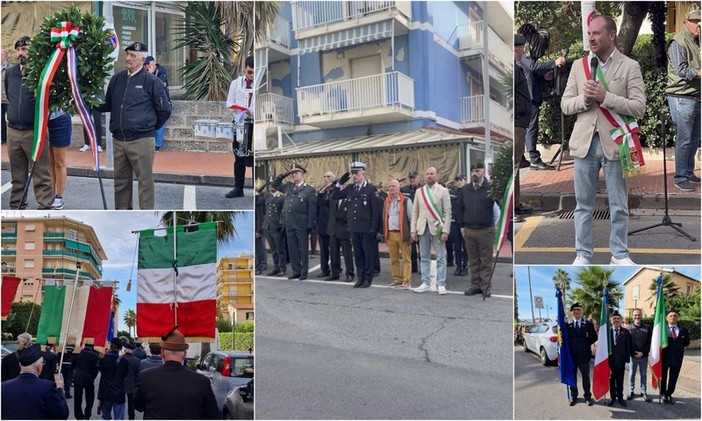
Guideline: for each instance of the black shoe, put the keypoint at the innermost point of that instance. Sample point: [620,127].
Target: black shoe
[473,291]
[630,397]
[611,402]
[671,400]
[302,277]
[449,264]
[685,186]
[571,402]
[258,272]
[283,269]
[464,272]
[332,278]
[622,402]
[349,278]
[646,398]
[414,270]
[541,165]
[235,192]
[366,284]
[457,272]
[694,179]
[376,273]
[274,272]
[590,402]
[523,163]
[522,210]
[322,275]
[358,283]
[294,276]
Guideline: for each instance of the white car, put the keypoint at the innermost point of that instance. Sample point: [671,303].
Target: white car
[542,339]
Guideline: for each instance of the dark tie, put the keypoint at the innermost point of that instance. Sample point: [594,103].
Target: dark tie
[248,86]
[358,189]
[616,336]
[672,333]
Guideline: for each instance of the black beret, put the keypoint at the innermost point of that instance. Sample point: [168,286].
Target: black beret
[22,42]
[477,166]
[137,46]
[615,313]
[30,355]
[575,305]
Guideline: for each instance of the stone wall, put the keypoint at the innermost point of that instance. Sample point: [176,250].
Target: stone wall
[179,128]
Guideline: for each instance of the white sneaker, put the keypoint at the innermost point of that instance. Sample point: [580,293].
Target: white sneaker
[85,148]
[624,262]
[99,148]
[58,203]
[442,290]
[581,261]
[422,288]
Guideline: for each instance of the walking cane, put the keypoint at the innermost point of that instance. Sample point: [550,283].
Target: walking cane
[26,185]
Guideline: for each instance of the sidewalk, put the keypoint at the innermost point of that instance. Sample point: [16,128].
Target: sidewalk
[549,190]
[200,168]
[504,257]
[689,379]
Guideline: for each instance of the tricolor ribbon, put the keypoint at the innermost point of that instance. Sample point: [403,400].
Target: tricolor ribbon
[64,39]
[625,132]
[433,209]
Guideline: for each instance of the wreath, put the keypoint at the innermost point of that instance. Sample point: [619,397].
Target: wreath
[92,48]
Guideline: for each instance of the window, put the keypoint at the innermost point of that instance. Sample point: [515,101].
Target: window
[29,263]
[29,245]
[249,315]
[243,367]
[167,57]
[689,290]
[30,228]
[73,235]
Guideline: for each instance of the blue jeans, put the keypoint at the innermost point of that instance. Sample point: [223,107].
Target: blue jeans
[426,240]
[159,136]
[586,174]
[685,113]
[642,363]
[109,407]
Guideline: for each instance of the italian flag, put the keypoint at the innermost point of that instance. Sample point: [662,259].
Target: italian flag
[505,214]
[86,323]
[659,340]
[178,288]
[9,290]
[600,377]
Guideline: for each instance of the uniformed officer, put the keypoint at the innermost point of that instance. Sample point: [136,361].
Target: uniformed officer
[260,242]
[274,232]
[298,217]
[323,202]
[455,247]
[339,240]
[363,219]
[408,191]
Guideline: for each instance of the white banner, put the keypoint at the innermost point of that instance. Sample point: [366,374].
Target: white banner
[587,10]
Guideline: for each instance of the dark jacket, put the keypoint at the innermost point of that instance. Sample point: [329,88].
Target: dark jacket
[259,213]
[113,370]
[150,362]
[299,207]
[274,207]
[365,209]
[139,353]
[409,191]
[20,111]
[85,369]
[323,212]
[338,211]
[522,98]
[132,369]
[675,351]
[580,340]
[28,397]
[10,367]
[621,350]
[50,365]
[475,207]
[138,105]
[174,392]
[534,72]
[641,338]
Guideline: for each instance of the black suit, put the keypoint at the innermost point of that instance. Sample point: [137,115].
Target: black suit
[85,371]
[323,199]
[273,230]
[622,352]
[10,367]
[171,391]
[339,237]
[672,359]
[260,241]
[580,339]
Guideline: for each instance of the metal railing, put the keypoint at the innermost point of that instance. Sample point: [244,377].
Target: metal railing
[473,111]
[383,90]
[274,108]
[9,234]
[470,37]
[280,32]
[310,14]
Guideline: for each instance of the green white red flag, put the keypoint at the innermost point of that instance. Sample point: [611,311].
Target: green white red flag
[505,214]
[600,377]
[659,338]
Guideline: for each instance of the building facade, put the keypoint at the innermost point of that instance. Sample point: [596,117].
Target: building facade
[395,84]
[637,292]
[37,249]
[235,290]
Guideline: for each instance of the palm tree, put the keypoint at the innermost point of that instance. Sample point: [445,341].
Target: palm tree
[561,280]
[226,230]
[130,320]
[591,281]
[670,289]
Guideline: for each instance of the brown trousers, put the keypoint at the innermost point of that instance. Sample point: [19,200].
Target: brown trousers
[479,243]
[19,144]
[399,249]
[135,157]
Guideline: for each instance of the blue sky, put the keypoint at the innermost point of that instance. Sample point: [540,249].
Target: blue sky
[542,285]
[114,230]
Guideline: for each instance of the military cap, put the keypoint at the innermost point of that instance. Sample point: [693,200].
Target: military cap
[615,313]
[29,355]
[298,167]
[22,42]
[576,305]
[461,176]
[137,46]
[477,166]
[358,166]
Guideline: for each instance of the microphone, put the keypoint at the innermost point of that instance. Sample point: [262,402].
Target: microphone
[593,68]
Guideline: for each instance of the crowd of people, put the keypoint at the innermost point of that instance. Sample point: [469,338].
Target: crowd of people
[350,219]
[149,378]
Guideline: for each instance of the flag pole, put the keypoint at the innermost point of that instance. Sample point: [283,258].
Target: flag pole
[175,271]
[70,311]
[31,312]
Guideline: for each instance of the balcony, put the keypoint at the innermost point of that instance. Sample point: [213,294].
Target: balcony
[275,109]
[9,252]
[473,115]
[278,40]
[315,18]
[9,234]
[369,99]
[471,45]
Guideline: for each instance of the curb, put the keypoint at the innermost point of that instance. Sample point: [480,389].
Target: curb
[555,201]
[386,255]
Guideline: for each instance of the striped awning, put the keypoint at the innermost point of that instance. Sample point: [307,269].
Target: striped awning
[352,36]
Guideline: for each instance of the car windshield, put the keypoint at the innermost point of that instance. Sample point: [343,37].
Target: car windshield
[11,346]
[243,367]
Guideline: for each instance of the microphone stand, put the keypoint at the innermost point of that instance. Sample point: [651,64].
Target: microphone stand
[666,222]
[564,147]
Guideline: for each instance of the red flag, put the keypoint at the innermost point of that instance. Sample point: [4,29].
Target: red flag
[9,290]
[97,315]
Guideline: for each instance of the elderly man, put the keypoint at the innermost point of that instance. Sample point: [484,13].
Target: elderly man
[153,360]
[409,191]
[10,364]
[683,94]
[581,336]
[20,135]
[591,143]
[363,219]
[397,220]
[622,352]
[171,391]
[431,225]
[139,106]
[28,396]
[298,217]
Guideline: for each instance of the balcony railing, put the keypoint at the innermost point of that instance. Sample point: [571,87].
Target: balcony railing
[81,256]
[473,112]
[274,108]
[311,14]
[279,32]
[9,252]
[383,90]
[9,234]
[470,37]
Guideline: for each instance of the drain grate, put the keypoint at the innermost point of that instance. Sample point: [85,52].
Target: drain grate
[598,215]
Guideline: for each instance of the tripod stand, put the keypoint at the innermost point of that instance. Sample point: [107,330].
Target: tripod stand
[666,222]
[564,147]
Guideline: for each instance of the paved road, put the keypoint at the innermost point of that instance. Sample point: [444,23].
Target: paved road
[84,193]
[536,241]
[538,394]
[329,351]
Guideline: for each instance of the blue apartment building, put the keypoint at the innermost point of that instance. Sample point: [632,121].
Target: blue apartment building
[398,85]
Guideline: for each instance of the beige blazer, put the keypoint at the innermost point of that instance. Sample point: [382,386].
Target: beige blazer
[625,96]
[421,218]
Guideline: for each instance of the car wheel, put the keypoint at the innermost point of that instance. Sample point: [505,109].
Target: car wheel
[544,357]
[524,345]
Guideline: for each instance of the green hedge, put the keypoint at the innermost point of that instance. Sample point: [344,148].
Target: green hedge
[244,341]
[693,326]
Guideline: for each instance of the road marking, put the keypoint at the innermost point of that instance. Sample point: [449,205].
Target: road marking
[189,201]
[6,187]
[606,250]
[525,232]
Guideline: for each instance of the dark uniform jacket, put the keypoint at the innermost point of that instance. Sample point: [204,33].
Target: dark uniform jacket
[113,370]
[10,367]
[139,105]
[338,211]
[641,338]
[365,209]
[29,397]
[674,352]
[475,207]
[274,208]
[50,365]
[300,205]
[522,98]
[85,369]
[171,391]
[132,369]
[580,340]
[409,191]
[323,211]
[259,213]
[621,350]
[20,112]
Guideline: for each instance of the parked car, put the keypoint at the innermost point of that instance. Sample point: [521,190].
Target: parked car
[542,339]
[8,347]
[226,370]
[239,404]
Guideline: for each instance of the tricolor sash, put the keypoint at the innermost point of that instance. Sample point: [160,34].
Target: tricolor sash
[625,132]
[438,216]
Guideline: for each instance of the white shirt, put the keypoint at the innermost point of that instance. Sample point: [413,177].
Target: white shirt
[239,95]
